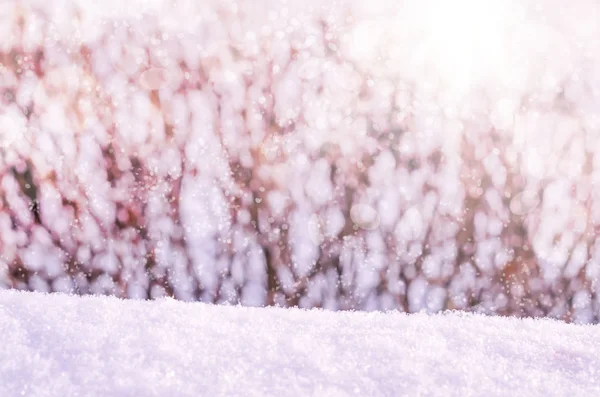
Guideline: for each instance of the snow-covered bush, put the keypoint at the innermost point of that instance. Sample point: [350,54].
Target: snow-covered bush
[296,153]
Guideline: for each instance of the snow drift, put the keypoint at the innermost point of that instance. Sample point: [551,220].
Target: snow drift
[60,345]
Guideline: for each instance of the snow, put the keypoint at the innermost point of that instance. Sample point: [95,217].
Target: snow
[61,345]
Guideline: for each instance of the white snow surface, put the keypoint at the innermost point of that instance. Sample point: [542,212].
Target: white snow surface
[61,345]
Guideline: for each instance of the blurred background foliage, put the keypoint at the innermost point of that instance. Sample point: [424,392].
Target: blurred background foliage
[294,155]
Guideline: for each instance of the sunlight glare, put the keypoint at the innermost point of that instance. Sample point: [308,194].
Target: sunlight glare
[467,40]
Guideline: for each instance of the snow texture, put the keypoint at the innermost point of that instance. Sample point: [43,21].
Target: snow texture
[60,345]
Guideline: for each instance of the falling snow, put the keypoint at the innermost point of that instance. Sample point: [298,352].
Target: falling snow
[411,155]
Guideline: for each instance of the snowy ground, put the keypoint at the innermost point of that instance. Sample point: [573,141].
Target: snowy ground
[58,345]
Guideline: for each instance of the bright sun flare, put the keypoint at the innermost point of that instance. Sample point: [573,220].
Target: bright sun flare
[467,40]
[462,43]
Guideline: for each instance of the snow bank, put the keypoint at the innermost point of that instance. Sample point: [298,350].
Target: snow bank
[59,345]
